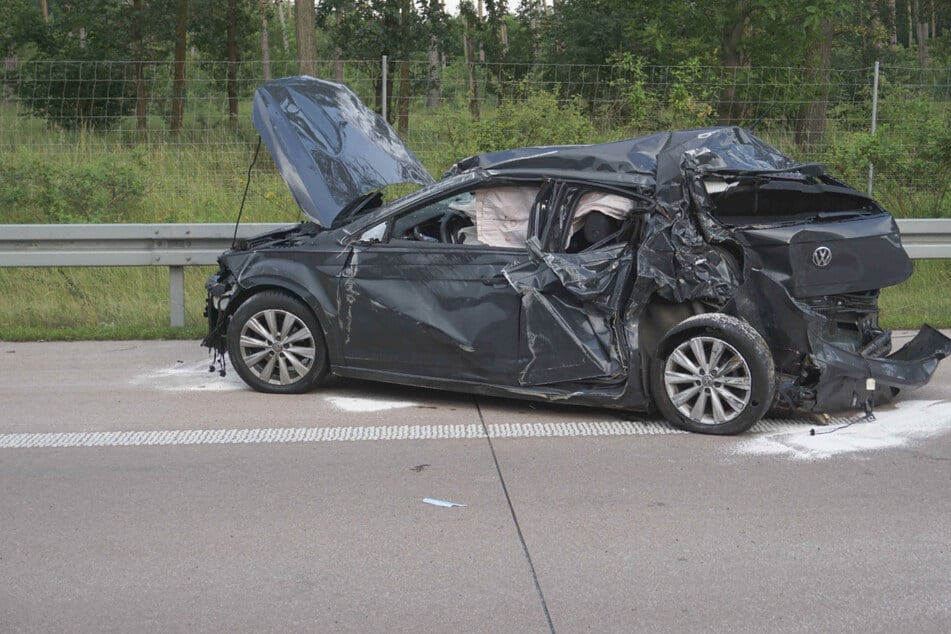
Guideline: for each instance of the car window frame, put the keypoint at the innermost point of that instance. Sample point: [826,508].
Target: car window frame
[487,181]
[566,194]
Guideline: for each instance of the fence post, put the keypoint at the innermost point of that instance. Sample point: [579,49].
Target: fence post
[383,93]
[176,295]
[871,167]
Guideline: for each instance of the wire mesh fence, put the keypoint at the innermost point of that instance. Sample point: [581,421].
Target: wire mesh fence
[109,141]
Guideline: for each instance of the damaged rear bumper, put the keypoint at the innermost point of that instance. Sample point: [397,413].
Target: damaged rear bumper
[850,379]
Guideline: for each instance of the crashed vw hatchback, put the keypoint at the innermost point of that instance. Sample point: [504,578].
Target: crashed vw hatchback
[700,273]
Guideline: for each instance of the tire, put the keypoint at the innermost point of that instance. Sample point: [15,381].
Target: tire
[276,344]
[728,398]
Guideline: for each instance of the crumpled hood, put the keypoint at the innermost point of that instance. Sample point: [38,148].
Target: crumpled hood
[328,146]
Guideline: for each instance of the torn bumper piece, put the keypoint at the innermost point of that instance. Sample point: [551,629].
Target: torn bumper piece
[851,379]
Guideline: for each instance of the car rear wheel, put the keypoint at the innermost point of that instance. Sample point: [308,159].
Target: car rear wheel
[276,345]
[713,374]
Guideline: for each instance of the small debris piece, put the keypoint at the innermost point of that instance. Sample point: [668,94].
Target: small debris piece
[441,503]
[419,467]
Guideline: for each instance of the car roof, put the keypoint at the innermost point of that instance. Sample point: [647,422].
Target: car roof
[652,163]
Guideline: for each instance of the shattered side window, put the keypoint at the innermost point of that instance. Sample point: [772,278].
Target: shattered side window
[600,219]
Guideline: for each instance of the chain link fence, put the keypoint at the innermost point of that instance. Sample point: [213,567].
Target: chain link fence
[101,141]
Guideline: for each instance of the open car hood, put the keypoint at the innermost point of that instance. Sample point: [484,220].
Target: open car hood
[328,146]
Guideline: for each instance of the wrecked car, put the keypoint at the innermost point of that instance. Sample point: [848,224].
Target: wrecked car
[700,273]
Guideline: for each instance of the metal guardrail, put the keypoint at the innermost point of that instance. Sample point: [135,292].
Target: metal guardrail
[179,245]
[173,245]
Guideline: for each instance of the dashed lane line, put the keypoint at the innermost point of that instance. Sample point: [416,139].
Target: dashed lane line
[355,434]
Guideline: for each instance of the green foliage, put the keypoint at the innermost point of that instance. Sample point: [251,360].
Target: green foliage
[684,100]
[913,144]
[34,190]
[632,86]
[80,74]
[209,33]
[538,120]
[20,23]
[83,94]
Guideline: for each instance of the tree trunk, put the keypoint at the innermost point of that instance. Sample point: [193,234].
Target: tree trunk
[921,30]
[811,121]
[470,68]
[728,111]
[934,21]
[338,53]
[178,81]
[434,96]
[283,21]
[403,118]
[876,19]
[232,75]
[46,11]
[306,37]
[892,24]
[265,42]
[911,21]
[141,104]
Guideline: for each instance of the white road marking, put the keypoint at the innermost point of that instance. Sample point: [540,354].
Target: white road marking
[352,434]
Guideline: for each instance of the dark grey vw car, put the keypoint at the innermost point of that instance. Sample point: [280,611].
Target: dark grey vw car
[698,272]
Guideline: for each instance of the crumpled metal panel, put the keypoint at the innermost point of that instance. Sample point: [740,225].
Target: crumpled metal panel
[843,382]
[328,146]
[568,303]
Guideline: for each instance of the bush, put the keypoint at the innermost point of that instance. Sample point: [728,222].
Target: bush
[36,190]
[539,119]
[82,94]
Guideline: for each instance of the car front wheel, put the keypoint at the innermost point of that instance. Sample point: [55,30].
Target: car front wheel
[276,344]
[713,374]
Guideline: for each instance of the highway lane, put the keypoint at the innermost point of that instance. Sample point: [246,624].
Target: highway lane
[575,519]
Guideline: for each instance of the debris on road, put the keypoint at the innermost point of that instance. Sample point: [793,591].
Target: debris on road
[441,503]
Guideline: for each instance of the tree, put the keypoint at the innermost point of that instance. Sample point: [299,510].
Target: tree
[369,29]
[921,32]
[226,31]
[732,56]
[265,42]
[21,24]
[79,78]
[178,82]
[819,26]
[304,15]
[435,23]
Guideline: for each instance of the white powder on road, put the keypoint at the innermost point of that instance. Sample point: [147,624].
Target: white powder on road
[188,377]
[903,423]
[349,404]
[897,425]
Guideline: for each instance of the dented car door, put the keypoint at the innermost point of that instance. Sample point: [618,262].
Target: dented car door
[431,309]
[570,301]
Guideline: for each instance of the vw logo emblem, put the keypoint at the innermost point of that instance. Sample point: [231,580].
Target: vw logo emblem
[822,256]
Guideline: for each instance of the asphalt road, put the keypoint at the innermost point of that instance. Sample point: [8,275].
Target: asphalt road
[142,494]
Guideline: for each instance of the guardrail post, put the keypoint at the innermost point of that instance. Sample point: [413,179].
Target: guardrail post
[176,295]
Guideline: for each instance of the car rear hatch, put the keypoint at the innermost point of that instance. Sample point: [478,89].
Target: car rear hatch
[815,239]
